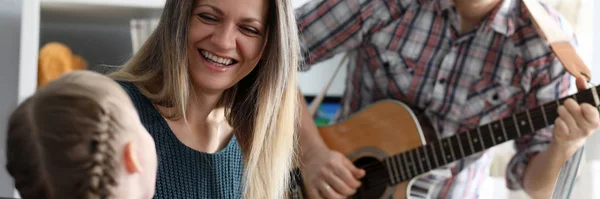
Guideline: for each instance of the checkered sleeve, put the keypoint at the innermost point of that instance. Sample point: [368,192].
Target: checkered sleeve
[550,81]
[328,27]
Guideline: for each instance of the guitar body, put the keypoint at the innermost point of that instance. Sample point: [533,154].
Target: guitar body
[378,131]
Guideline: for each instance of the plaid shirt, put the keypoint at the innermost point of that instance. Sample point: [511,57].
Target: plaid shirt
[412,51]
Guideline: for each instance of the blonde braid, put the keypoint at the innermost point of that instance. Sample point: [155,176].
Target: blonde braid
[103,165]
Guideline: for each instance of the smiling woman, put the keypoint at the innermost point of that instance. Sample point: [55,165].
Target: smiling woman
[215,85]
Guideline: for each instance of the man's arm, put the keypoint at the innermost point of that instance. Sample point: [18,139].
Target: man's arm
[330,27]
[309,134]
[326,173]
[539,158]
[575,124]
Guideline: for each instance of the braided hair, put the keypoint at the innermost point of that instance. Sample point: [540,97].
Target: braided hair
[61,141]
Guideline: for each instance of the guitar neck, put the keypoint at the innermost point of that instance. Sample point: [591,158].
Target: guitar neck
[409,164]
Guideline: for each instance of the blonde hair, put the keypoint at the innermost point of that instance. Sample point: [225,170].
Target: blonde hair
[262,107]
[63,142]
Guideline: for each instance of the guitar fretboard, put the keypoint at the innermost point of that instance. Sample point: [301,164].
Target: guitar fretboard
[407,165]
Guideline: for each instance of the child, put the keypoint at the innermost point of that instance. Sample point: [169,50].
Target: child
[80,137]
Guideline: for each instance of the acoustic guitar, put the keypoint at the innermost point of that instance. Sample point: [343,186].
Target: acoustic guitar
[387,140]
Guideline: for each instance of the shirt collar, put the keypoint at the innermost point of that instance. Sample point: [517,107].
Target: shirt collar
[502,18]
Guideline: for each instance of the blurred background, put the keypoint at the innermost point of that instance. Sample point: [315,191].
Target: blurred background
[89,34]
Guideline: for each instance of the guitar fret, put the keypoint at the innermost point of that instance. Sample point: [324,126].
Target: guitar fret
[443,153]
[462,152]
[412,159]
[398,165]
[516,125]
[544,114]
[480,138]
[390,169]
[419,160]
[407,164]
[426,157]
[437,164]
[470,142]
[403,174]
[464,142]
[575,98]
[395,165]
[492,134]
[595,96]
[530,122]
[445,142]
[503,129]
[499,138]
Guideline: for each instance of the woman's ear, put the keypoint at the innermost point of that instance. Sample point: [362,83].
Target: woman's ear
[132,163]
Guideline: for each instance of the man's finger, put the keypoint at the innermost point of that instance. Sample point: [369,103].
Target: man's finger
[581,83]
[569,120]
[339,185]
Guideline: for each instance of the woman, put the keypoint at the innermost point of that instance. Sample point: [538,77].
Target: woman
[215,85]
[80,137]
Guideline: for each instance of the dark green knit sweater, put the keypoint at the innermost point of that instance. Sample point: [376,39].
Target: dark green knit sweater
[184,172]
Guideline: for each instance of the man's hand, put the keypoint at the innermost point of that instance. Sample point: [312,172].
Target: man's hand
[329,174]
[576,122]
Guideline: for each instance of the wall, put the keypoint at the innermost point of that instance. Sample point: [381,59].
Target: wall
[313,80]
[90,40]
[594,141]
[10,26]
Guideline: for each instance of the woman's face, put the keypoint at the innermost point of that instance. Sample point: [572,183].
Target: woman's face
[226,39]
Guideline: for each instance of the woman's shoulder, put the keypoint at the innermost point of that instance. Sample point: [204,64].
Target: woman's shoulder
[129,88]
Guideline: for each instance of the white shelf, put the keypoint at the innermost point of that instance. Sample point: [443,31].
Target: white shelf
[99,11]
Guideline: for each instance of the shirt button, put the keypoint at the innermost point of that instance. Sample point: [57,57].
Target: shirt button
[442,81]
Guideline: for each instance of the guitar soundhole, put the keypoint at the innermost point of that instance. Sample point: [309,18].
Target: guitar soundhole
[375,182]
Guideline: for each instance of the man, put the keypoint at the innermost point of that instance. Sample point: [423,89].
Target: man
[461,63]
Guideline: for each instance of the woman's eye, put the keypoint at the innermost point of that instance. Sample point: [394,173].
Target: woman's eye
[207,17]
[250,30]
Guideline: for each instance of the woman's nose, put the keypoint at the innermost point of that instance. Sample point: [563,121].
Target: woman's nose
[225,37]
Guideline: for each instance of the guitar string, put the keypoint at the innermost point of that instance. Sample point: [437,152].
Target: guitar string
[551,106]
[381,171]
[371,166]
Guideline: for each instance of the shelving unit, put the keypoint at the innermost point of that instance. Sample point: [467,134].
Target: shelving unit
[97,30]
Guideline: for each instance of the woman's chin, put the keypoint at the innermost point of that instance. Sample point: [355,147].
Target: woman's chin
[211,86]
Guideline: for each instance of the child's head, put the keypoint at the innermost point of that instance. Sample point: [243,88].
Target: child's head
[80,137]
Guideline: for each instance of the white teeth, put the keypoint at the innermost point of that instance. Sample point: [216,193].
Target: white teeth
[214,58]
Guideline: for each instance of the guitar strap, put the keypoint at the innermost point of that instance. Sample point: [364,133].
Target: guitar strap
[314,105]
[560,43]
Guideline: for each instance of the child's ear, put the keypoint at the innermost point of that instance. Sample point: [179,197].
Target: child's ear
[132,162]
